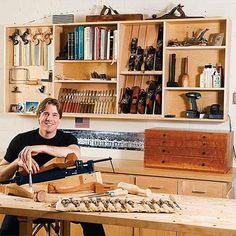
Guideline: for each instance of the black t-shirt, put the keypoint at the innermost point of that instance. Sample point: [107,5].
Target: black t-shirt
[33,137]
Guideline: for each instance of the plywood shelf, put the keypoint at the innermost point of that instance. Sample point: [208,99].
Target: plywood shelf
[196,48]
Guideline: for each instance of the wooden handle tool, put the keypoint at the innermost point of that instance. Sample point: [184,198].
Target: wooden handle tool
[30,175]
[134,189]
[185,77]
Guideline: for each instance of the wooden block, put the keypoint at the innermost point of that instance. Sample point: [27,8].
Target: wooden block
[16,190]
[93,177]
[191,150]
[119,17]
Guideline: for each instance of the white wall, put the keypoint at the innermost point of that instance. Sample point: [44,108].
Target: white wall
[25,11]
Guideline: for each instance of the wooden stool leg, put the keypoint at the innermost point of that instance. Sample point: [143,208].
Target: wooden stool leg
[65,228]
[25,226]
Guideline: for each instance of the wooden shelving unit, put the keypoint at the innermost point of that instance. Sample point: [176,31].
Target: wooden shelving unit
[74,75]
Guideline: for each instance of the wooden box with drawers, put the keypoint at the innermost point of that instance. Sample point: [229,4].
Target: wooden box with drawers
[191,150]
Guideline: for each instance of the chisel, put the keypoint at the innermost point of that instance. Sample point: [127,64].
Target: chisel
[30,175]
[111,193]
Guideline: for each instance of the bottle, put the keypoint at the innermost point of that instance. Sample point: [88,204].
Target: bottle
[202,79]
[216,82]
[219,69]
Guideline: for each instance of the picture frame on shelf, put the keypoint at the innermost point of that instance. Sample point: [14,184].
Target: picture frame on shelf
[13,107]
[31,106]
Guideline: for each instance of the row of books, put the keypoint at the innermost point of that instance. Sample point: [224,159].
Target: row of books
[92,43]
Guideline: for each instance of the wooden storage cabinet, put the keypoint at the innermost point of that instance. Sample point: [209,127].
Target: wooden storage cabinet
[26,75]
[176,102]
[74,78]
[146,34]
[103,98]
[193,150]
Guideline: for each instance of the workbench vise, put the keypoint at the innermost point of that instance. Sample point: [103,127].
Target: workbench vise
[79,167]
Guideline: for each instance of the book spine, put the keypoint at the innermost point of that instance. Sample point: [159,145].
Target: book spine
[71,46]
[97,39]
[108,44]
[111,43]
[87,36]
[81,43]
[91,44]
[76,32]
[115,44]
[102,45]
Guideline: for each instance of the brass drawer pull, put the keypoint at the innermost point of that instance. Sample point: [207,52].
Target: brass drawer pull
[110,182]
[197,191]
[156,187]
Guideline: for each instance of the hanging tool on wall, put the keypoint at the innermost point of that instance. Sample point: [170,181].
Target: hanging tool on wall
[159,50]
[26,48]
[37,44]
[47,48]
[172,62]
[16,39]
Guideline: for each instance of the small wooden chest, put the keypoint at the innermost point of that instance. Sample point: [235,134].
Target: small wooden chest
[188,150]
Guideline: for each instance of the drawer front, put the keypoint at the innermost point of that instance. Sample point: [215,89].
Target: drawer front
[109,178]
[186,135]
[180,142]
[157,184]
[190,152]
[203,188]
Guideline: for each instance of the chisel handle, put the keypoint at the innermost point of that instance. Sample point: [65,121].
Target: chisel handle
[134,189]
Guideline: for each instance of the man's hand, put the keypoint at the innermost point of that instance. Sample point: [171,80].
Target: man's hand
[30,151]
[27,153]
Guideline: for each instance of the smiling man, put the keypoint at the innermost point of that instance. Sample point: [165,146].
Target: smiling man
[41,145]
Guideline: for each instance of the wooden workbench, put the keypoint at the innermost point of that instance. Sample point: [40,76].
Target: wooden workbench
[205,216]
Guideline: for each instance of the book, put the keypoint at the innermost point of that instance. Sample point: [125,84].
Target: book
[88,42]
[71,46]
[115,45]
[76,32]
[108,44]
[81,43]
[111,44]
[97,40]
[103,44]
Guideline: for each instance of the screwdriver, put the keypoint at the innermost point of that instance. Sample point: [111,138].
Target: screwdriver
[30,175]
